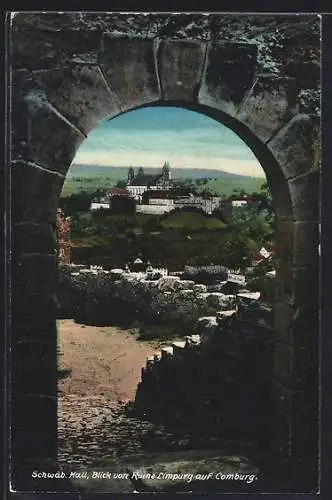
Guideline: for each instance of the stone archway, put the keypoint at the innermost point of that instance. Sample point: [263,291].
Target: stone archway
[70,71]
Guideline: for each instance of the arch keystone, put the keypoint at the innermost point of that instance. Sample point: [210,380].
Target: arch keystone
[180,64]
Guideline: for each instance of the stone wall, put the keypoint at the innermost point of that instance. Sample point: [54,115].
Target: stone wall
[215,383]
[96,296]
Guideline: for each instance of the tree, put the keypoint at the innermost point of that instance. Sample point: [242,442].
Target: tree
[123,205]
[79,202]
[256,221]
[262,204]
[184,187]
[206,194]
[121,184]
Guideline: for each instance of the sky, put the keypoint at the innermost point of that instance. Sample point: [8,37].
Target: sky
[148,137]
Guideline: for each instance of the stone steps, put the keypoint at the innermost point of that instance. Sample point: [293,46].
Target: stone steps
[176,351]
[225,316]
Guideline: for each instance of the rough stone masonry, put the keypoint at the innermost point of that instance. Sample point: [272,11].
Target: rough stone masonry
[257,74]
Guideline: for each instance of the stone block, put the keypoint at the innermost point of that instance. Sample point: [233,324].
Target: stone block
[130,69]
[305,326]
[283,422]
[299,242]
[298,411]
[264,317]
[296,146]
[226,315]
[304,193]
[249,296]
[283,318]
[270,103]
[186,284]
[306,243]
[34,425]
[180,64]
[30,237]
[39,48]
[178,348]
[80,93]
[306,428]
[34,367]
[306,285]
[166,352]
[150,363]
[33,316]
[207,321]
[33,274]
[283,360]
[229,74]
[47,137]
[306,362]
[208,328]
[186,293]
[193,340]
[35,193]
[25,308]
[300,284]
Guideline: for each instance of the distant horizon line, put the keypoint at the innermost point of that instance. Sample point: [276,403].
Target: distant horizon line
[157,167]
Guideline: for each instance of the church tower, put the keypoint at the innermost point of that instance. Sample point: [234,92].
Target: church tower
[131,175]
[166,172]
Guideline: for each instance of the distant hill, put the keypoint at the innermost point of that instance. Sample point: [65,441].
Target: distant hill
[90,177]
[177,173]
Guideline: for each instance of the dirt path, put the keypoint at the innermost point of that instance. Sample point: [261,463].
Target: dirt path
[101,367]
[100,361]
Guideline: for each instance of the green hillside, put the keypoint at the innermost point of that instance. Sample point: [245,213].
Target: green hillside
[226,186]
[191,221]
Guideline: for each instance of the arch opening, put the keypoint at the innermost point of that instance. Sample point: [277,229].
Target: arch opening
[143,324]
